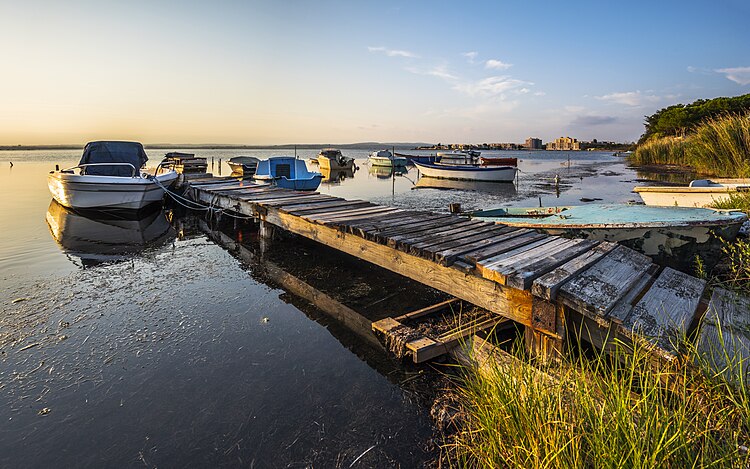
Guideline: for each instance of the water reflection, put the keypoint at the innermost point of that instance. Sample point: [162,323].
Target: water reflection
[336,176]
[496,188]
[102,237]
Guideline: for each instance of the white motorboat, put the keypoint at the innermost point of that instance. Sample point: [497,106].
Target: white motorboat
[386,158]
[109,176]
[700,193]
[467,172]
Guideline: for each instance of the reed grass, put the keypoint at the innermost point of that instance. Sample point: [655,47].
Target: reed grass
[609,411]
[718,147]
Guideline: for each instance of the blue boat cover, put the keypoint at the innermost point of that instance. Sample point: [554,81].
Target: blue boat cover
[113,152]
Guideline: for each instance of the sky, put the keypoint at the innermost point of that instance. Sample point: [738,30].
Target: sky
[272,72]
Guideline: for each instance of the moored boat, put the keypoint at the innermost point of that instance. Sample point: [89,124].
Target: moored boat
[498,161]
[670,235]
[287,172]
[468,172]
[386,158]
[417,158]
[109,176]
[456,157]
[245,165]
[332,159]
[700,192]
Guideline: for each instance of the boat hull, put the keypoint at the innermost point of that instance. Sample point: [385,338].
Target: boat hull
[468,173]
[331,164]
[300,184]
[388,162]
[683,196]
[417,159]
[107,192]
[670,235]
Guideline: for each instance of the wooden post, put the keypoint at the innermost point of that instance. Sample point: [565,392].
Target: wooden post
[545,337]
[266,230]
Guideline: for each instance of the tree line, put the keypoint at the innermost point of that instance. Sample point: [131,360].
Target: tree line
[679,119]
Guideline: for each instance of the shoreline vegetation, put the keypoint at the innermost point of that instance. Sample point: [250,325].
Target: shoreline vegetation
[710,136]
[602,409]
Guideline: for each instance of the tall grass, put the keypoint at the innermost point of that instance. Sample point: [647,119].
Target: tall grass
[609,412]
[718,147]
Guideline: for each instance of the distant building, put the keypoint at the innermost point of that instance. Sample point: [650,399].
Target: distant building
[533,143]
[564,143]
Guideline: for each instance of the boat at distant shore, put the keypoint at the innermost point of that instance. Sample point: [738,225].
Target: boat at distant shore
[287,172]
[110,177]
[700,192]
[670,235]
[386,158]
[245,165]
[468,172]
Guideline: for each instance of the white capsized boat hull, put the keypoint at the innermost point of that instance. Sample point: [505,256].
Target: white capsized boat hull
[107,192]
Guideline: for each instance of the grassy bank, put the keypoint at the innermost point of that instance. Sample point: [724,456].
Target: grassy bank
[718,147]
[604,412]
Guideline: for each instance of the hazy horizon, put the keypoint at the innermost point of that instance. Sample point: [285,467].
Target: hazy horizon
[270,73]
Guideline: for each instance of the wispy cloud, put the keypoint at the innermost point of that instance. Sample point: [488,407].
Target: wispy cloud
[629,98]
[470,56]
[492,86]
[494,64]
[440,71]
[392,52]
[540,93]
[740,75]
[593,120]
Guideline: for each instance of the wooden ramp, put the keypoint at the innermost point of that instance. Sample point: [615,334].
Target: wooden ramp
[540,281]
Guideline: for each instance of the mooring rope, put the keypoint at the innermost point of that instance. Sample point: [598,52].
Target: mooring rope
[193,205]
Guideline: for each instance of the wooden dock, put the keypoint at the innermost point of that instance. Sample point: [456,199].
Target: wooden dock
[550,285]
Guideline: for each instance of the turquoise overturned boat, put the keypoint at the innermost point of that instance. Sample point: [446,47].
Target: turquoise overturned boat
[670,235]
[287,172]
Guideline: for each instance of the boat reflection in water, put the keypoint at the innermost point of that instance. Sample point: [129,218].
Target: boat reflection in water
[508,190]
[386,172]
[102,237]
[336,176]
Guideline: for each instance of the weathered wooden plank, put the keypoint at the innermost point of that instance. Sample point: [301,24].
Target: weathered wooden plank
[302,209]
[517,253]
[523,276]
[510,244]
[501,268]
[472,235]
[258,196]
[333,209]
[724,339]
[624,305]
[416,244]
[368,228]
[597,289]
[307,199]
[426,349]
[385,325]
[449,255]
[281,200]
[230,186]
[332,217]
[201,182]
[436,224]
[548,284]
[342,221]
[428,310]
[666,311]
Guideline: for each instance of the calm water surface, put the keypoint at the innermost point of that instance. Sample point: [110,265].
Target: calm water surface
[166,342]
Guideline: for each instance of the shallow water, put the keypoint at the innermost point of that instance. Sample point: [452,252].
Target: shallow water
[166,342]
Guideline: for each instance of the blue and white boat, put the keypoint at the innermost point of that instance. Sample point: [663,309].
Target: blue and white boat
[467,172]
[386,158]
[670,235]
[287,172]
